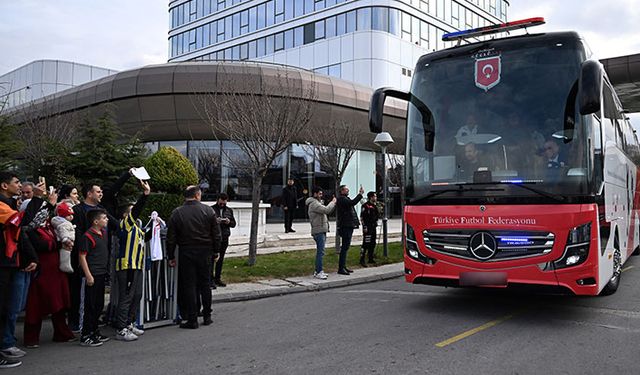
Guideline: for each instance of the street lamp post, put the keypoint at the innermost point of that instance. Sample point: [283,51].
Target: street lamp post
[383,140]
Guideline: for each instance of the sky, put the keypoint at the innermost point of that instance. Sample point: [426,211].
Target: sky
[126,34]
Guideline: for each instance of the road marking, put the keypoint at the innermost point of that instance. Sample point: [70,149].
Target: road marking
[628,268]
[473,331]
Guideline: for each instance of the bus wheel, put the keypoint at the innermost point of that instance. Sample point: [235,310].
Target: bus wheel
[612,285]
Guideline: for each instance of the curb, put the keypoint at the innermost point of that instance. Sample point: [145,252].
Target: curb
[299,285]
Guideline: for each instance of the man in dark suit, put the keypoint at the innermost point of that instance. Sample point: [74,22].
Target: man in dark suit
[289,201]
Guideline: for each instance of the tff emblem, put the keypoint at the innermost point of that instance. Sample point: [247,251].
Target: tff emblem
[487,72]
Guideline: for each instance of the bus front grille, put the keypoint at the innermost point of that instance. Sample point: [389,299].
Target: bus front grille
[497,245]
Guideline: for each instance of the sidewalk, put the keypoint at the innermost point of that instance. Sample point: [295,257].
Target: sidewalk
[277,241]
[276,287]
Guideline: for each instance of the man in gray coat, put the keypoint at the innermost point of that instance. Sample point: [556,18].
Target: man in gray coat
[319,226]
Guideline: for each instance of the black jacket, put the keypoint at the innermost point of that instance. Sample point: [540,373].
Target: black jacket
[346,212]
[194,226]
[289,197]
[223,212]
[369,215]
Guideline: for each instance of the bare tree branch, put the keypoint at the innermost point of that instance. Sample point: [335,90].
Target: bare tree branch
[261,114]
[47,136]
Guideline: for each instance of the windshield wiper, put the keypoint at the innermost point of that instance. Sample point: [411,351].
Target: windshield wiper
[555,197]
[461,188]
[458,190]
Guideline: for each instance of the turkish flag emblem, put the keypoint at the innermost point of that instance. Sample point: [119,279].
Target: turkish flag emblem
[487,72]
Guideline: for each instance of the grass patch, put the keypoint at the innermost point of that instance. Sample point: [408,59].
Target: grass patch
[299,263]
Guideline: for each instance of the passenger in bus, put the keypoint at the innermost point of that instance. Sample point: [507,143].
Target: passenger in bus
[466,130]
[555,161]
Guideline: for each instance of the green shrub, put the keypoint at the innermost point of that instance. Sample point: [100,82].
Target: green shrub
[163,203]
[170,171]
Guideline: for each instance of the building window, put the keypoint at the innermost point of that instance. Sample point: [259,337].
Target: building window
[253,19]
[319,30]
[351,21]
[298,9]
[244,22]
[341,24]
[335,70]
[394,22]
[380,19]
[262,47]
[288,39]
[309,33]
[279,42]
[244,51]
[298,36]
[364,19]
[270,44]
[253,49]
[262,16]
[279,11]
[330,27]
[270,13]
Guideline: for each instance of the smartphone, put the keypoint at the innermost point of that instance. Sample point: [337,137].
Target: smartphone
[41,179]
[51,189]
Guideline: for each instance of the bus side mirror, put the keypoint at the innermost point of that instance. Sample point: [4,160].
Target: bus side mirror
[590,87]
[376,105]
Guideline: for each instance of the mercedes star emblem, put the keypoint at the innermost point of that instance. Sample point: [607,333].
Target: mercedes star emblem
[483,245]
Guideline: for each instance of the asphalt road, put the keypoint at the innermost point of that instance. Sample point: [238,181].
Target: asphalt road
[382,328]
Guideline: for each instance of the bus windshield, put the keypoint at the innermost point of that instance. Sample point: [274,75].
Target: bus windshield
[502,112]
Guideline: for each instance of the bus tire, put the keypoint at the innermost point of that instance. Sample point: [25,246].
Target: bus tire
[614,282]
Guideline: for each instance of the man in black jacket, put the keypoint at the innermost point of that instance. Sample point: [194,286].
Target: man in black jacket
[194,228]
[226,221]
[347,222]
[289,200]
[369,216]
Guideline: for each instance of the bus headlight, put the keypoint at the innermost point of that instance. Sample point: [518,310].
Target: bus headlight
[411,245]
[577,249]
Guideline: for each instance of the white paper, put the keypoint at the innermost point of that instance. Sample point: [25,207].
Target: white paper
[141,173]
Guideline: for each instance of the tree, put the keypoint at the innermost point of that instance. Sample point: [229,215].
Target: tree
[261,114]
[208,165]
[102,152]
[171,173]
[334,148]
[46,138]
[10,145]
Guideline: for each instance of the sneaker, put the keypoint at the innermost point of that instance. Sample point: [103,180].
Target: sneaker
[90,341]
[221,283]
[100,337]
[32,346]
[320,275]
[13,352]
[125,335]
[9,363]
[135,330]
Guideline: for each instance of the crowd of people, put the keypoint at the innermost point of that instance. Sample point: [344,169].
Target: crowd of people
[60,248]
[58,252]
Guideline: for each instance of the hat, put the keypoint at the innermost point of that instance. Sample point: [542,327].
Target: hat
[63,209]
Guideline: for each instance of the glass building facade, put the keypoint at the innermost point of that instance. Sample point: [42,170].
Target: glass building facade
[357,40]
[45,77]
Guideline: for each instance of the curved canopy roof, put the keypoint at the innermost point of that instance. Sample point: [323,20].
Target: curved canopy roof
[159,100]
